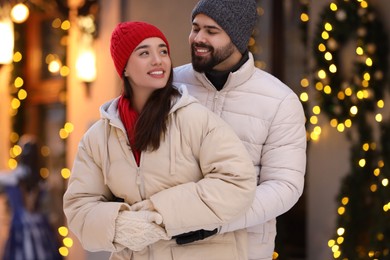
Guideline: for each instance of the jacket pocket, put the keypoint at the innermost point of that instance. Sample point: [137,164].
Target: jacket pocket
[223,251]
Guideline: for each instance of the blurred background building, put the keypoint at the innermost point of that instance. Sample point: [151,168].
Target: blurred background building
[56,70]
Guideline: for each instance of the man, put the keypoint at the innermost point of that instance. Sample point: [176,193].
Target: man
[265,113]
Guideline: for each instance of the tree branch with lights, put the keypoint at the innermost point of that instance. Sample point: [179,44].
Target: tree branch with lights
[355,105]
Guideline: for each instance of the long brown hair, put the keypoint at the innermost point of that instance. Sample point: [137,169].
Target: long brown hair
[152,122]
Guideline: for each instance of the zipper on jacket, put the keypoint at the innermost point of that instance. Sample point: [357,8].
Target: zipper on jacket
[216,96]
[140,182]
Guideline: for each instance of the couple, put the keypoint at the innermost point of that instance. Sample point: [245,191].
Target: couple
[162,177]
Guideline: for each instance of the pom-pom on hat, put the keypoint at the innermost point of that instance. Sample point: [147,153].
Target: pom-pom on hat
[126,36]
[236,17]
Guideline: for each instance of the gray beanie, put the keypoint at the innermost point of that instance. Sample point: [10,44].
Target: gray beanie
[236,17]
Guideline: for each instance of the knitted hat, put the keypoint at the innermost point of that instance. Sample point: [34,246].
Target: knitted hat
[126,36]
[236,17]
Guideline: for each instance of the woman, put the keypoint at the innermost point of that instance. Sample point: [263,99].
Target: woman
[157,146]
[31,235]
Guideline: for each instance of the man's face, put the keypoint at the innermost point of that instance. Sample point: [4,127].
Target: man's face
[211,46]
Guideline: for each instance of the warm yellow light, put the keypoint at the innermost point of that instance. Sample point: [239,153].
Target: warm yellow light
[377,172]
[67,241]
[373,188]
[65,173]
[364,4]
[18,82]
[348,92]
[348,123]
[359,51]
[385,182]
[367,76]
[328,27]
[325,35]
[380,103]
[353,110]
[328,56]
[304,97]
[381,163]
[344,201]
[362,162]
[340,127]
[313,120]
[63,231]
[360,94]
[15,103]
[340,231]
[319,86]
[378,117]
[69,127]
[341,210]
[65,25]
[86,66]
[317,130]
[333,7]
[17,56]
[327,90]
[340,240]
[331,243]
[44,172]
[16,150]
[63,133]
[369,62]
[22,94]
[321,47]
[12,163]
[55,66]
[56,23]
[316,110]
[304,17]
[7,41]
[333,122]
[20,13]
[341,95]
[333,68]
[64,71]
[63,251]
[304,82]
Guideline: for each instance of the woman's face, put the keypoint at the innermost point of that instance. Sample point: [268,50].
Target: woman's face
[149,66]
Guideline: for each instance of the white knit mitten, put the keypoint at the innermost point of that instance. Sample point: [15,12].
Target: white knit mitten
[138,229]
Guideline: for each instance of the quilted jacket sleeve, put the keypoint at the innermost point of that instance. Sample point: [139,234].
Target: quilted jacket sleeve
[87,201]
[227,188]
[283,166]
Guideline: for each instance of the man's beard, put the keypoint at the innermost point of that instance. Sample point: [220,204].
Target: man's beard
[203,64]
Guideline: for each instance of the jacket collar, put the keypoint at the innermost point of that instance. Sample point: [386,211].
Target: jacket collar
[234,79]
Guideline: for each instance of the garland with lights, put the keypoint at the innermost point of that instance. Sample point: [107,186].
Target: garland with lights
[341,96]
[363,225]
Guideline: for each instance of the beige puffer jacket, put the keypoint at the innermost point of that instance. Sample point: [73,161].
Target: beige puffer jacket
[269,119]
[201,177]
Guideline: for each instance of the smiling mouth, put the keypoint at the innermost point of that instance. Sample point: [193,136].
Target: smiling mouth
[157,73]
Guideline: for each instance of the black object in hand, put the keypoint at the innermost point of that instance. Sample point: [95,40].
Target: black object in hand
[193,236]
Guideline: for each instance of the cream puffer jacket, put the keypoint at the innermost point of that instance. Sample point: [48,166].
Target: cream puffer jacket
[201,177]
[268,118]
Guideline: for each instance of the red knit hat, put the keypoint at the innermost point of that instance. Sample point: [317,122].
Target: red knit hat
[126,36]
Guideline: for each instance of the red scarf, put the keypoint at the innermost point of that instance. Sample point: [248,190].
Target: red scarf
[129,117]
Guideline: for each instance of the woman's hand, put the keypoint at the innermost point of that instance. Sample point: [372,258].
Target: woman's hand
[138,229]
[143,205]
